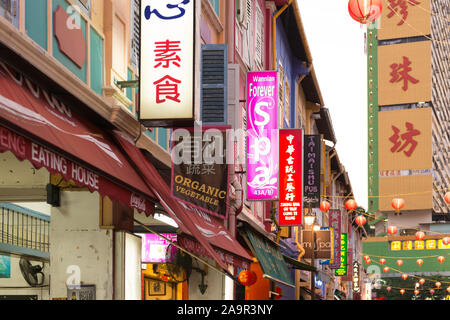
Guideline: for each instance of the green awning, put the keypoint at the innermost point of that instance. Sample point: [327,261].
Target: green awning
[299,265]
[270,258]
[374,222]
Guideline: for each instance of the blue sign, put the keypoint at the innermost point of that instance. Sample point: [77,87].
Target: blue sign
[5,266]
[165,10]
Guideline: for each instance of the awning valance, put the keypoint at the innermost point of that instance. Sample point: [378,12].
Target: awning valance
[37,127]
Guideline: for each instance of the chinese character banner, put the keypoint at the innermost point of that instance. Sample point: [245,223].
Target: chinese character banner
[167,60]
[290,177]
[311,170]
[262,136]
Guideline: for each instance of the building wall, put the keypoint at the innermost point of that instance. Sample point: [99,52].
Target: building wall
[77,240]
[213,279]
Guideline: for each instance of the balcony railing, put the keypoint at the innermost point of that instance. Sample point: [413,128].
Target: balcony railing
[24,231]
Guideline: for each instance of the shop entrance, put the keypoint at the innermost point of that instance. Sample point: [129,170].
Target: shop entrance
[159,290]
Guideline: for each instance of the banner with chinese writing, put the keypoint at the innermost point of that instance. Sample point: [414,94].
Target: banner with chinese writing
[201,178]
[290,177]
[335,223]
[167,56]
[342,271]
[311,170]
[356,278]
[262,136]
[404,73]
[404,19]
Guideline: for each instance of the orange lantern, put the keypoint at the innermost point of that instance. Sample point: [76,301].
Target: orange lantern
[447,197]
[420,235]
[441,259]
[438,284]
[388,289]
[399,263]
[402,291]
[419,262]
[366,258]
[386,269]
[446,240]
[432,291]
[325,206]
[365,11]
[247,277]
[404,276]
[360,220]
[350,205]
[416,292]
[382,261]
[422,281]
[392,230]
[448,289]
[398,204]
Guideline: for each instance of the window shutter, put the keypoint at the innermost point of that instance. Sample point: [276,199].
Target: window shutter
[259,37]
[214,80]
[134,49]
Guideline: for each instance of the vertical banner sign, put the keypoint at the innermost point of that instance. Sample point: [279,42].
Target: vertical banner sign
[342,271]
[167,54]
[335,223]
[311,171]
[356,287]
[262,136]
[290,177]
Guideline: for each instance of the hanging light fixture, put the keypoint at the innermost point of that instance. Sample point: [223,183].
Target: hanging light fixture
[404,276]
[422,281]
[399,263]
[360,220]
[310,218]
[382,261]
[386,269]
[365,11]
[416,292]
[398,204]
[402,291]
[441,259]
[438,284]
[325,206]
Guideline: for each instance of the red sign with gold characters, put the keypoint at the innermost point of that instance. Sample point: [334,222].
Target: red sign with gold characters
[290,177]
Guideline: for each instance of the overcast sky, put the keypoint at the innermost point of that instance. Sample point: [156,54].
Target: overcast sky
[337,46]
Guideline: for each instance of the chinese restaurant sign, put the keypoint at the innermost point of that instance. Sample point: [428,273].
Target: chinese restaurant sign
[203,182]
[262,136]
[154,248]
[290,177]
[335,223]
[311,171]
[342,271]
[404,73]
[418,245]
[404,19]
[167,55]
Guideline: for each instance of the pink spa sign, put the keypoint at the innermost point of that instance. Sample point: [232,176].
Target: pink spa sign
[262,136]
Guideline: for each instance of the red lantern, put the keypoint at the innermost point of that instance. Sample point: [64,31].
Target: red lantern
[404,276]
[419,262]
[350,205]
[364,11]
[446,240]
[382,261]
[399,263]
[247,277]
[368,261]
[392,230]
[164,278]
[360,220]
[325,206]
[402,291]
[447,197]
[366,258]
[448,289]
[438,284]
[420,235]
[388,289]
[432,291]
[441,259]
[416,292]
[398,204]
[422,281]
[386,269]
[280,293]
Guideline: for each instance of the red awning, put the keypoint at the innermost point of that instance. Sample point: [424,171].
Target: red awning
[36,127]
[212,239]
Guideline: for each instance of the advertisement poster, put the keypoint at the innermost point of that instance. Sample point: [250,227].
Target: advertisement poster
[202,181]
[154,248]
[311,171]
[262,136]
[290,177]
[319,241]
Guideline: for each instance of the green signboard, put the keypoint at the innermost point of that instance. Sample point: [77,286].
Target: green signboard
[270,258]
[342,271]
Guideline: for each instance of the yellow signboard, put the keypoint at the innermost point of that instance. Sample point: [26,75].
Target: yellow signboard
[419,245]
[407,245]
[402,19]
[405,140]
[441,245]
[430,244]
[396,245]
[404,73]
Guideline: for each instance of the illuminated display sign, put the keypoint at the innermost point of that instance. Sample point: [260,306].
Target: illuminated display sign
[167,54]
[335,225]
[154,248]
[311,170]
[290,177]
[262,136]
[396,245]
[356,286]
[430,244]
[418,245]
[342,271]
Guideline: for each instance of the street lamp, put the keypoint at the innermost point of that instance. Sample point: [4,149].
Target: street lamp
[310,218]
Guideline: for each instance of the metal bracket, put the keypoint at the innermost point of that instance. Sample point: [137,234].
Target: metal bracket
[127,84]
